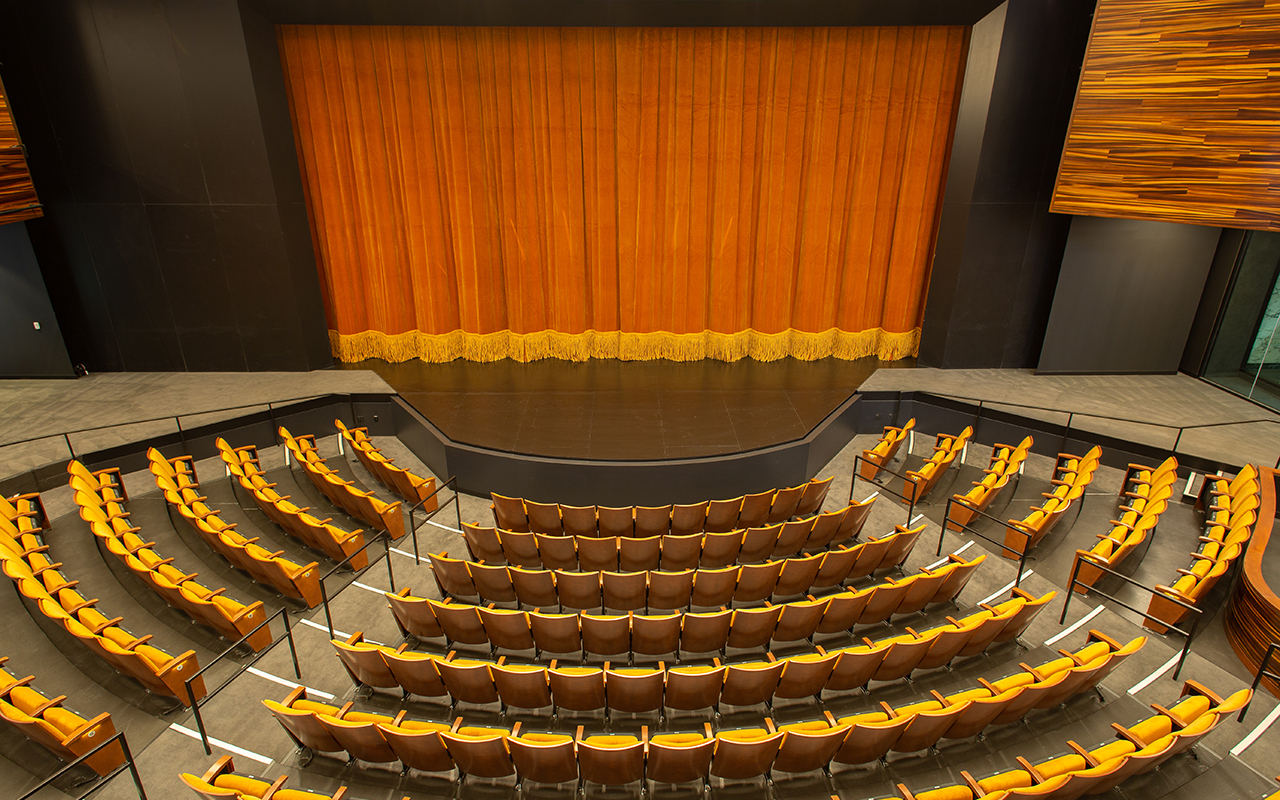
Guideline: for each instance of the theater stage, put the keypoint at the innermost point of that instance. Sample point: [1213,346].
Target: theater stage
[639,432]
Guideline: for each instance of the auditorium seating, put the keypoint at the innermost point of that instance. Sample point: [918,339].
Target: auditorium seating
[946,447]
[1231,510]
[343,493]
[401,481]
[715,516]
[46,721]
[685,582]
[1006,462]
[39,581]
[25,511]
[321,534]
[474,680]
[1147,499]
[733,754]
[1071,476]
[669,551]
[222,782]
[1078,770]
[884,450]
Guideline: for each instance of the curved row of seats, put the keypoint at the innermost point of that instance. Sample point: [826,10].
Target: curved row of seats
[884,450]
[46,721]
[1231,509]
[425,618]
[38,580]
[299,581]
[1134,750]
[713,516]
[795,747]
[654,688]
[231,618]
[1147,491]
[25,511]
[321,534]
[222,782]
[920,482]
[401,481]
[1071,476]
[673,588]
[343,493]
[1006,462]
[668,550]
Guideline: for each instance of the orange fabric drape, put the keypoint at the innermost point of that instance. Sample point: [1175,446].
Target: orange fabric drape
[631,192]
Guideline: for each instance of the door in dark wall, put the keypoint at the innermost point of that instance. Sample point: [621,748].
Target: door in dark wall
[1127,295]
[32,344]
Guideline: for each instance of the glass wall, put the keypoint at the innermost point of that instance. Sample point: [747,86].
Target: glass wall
[1245,354]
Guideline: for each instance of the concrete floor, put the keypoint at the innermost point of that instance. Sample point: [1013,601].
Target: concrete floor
[236,716]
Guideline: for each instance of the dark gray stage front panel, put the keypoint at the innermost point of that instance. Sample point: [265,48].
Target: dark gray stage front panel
[28,352]
[1127,295]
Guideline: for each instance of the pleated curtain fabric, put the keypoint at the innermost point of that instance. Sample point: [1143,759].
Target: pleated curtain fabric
[634,193]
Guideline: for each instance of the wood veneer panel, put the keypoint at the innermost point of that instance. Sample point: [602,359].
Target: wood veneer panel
[17,193]
[1252,621]
[1177,115]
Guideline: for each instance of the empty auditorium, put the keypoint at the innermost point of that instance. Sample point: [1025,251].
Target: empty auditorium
[639,399]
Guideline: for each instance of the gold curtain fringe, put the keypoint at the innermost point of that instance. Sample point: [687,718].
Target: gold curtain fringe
[806,346]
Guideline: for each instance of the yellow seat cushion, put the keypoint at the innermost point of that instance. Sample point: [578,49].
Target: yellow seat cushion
[1152,728]
[62,719]
[575,670]
[482,733]
[26,699]
[312,705]
[744,734]
[805,727]
[297,794]
[693,670]
[1003,781]
[364,716]
[1116,749]
[605,740]
[1191,707]
[916,708]
[1014,681]
[969,694]
[678,739]
[544,738]
[864,718]
[242,784]
[1055,666]
[946,793]
[421,725]
[881,447]
[1061,765]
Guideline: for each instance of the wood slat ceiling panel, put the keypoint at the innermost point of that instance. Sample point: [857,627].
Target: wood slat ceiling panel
[17,193]
[1177,115]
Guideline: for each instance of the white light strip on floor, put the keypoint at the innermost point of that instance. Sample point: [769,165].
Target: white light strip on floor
[1256,732]
[1077,625]
[445,527]
[871,496]
[1007,587]
[285,682]
[1186,491]
[231,748]
[398,551]
[914,520]
[937,564]
[319,627]
[368,588]
[1150,679]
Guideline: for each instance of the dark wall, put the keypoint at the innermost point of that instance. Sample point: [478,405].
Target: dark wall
[175,237]
[1127,295]
[1212,301]
[998,247]
[27,352]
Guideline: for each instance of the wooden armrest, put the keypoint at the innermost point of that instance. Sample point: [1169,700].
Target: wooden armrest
[1128,735]
[1195,687]
[1098,636]
[1080,751]
[1030,768]
[972,784]
[137,641]
[102,626]
[80,605]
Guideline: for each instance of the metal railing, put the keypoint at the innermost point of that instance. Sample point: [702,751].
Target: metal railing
[129,764]
[197,704]
[430,515]
[326,598]
[948,521]
[1187,634]
[1262,672]
[910,501]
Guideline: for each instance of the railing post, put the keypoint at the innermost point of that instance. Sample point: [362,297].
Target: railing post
[1176,440]
[133,768]
[328,618]
[181,434]
[293,648]
[1071,590]
[1257,678]
[946,520]
[195,707]
[391,578]
[1186,646]
[70,449]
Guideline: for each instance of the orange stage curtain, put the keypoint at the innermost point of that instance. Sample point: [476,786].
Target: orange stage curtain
[631,193]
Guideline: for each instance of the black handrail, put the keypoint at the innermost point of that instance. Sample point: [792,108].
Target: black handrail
[196,704]
[911,503]
[414,526]
[128,764]
[947,520]
[391,578]
[1258,676]
[1186,634]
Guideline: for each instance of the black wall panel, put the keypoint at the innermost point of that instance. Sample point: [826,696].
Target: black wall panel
[1127,295]
[164,245]
[998,247]
[27,352]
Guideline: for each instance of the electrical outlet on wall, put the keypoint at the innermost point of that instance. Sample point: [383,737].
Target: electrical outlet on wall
[36,325]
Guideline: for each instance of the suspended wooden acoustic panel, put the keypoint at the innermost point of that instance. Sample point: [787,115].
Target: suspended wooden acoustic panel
[17,192]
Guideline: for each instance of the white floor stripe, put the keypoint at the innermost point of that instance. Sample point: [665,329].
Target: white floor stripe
[871,496]
[1075,626]
[285,682]
[368,588]
[398,551]
[445,527]
[937,564]
[914,520]
[1150,679]
[319,627]
[1256,732]
[1006,588]
[230,748]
